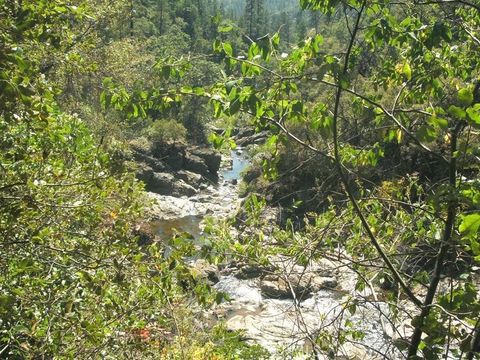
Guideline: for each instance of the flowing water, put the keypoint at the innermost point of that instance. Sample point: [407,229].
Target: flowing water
[213,200]
[273,323]
[239,164]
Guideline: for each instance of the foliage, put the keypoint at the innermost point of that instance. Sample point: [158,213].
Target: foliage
[166,130]
[75,281]
[415,112]
[375,112]
[219,344]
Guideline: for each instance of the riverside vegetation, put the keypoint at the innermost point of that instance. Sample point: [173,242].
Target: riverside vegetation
[365,117]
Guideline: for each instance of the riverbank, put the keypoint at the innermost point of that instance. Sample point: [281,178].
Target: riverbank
[281,307]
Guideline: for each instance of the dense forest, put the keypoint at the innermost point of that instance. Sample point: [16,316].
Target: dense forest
[239,179]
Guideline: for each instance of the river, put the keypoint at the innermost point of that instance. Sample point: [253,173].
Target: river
[282,326]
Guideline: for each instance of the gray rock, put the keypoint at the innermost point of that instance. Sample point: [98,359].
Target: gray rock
[211,158]
[207,270]
[251,271]
[252,174]
[301,284]
[161,183]
[190,178]
[243,133]
[196,164]
[239,290]
[320,283]
[191,165]
[275,288]
[164,183]
[252,139]
[181,188]
[156,164]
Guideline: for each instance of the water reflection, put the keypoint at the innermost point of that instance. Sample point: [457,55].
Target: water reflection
[239,163]
[165,229]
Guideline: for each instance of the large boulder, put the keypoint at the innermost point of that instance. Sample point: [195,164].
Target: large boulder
[252,271]
[211,158]
[174,168]
[302,285]
[145,174]
[154,163]
[181,188]
[171,153]
[283,280]
[196,164]
[161,183]
[190,177]
[243,133]
[164,183]
[257,138]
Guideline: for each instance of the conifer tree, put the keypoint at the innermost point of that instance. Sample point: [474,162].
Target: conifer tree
[250,17]
[254,18]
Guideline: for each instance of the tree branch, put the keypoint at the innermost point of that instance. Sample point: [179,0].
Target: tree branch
[344,179]
[440,260]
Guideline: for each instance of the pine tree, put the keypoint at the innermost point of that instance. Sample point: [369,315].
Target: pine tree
[249,17]
[254,18]
[300,26]
[286,29]
[260,19]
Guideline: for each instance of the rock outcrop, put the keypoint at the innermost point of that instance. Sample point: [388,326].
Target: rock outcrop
[249,137]
[175,169]
[301,285]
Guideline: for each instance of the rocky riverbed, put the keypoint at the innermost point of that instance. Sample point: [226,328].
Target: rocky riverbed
[283,310]
[280,310]
[219,199]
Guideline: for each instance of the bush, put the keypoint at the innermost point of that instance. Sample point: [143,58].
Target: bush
[166,130]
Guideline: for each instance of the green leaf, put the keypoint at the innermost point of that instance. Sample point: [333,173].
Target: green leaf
[166,71]
[234,107]
[470,223]
[217,46]
[407,71]
[219,297]
[216,140]
[473,116]
[225,27]
[457,112]
[275,40]
[426,133]
[253,51]
[105,100]
[465,96]
[227,47]
[186,89]
[199,91]
[297,107]
[324,124]
[438,122]
[317,42]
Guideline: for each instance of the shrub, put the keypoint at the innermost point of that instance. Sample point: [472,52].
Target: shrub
[166,130]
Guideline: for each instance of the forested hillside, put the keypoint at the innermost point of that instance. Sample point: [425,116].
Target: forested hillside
[239,179]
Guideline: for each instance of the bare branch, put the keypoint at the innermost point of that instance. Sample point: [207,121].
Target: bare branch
[343,177]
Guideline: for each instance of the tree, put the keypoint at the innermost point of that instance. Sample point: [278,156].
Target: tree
[420,103]
[254,18]
[286,28]
[75,278]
